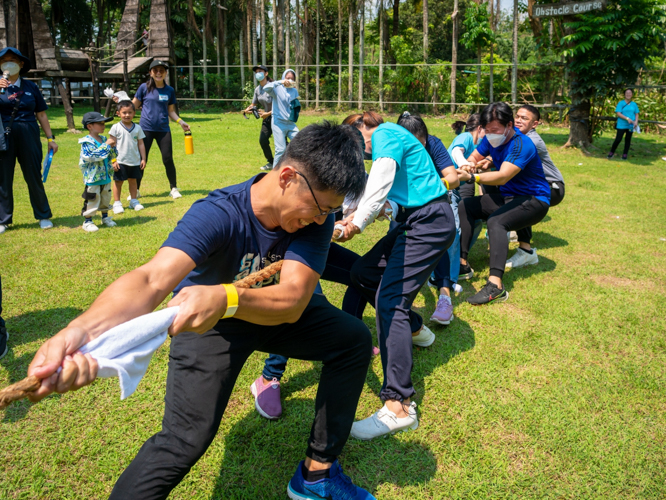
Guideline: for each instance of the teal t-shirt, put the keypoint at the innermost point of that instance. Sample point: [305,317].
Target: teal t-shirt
[629,110]
[464,141]
[416,180]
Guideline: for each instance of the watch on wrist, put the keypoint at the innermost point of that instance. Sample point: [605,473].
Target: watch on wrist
[52,137]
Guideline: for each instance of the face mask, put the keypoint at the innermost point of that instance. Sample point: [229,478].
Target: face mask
[259,76]
[10,67]
[367,156]
[496,140]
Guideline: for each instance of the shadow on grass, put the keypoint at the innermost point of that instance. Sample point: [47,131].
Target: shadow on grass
[545,265]
[184,192]
[23,329]
[543,240]
[260,457]
[77,221]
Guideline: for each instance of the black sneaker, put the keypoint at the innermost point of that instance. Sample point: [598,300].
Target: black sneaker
[4,337]
[488,294]
[624,157]
[610,155]
[466,272]
[431,282]
[267,167]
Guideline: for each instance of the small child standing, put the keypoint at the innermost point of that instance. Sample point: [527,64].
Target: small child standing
[94,162]
[131,158]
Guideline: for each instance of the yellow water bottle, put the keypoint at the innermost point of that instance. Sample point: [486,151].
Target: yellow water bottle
[189,143]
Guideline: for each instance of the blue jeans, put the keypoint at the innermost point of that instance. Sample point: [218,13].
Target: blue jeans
[282,130]
[338,270]
[447,271]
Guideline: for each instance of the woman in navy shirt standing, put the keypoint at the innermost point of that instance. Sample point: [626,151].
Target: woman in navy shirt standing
[158,103]
[523,200]
[23,142]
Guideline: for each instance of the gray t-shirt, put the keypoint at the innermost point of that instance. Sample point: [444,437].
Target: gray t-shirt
[127,143]
[549,169]
[262,98]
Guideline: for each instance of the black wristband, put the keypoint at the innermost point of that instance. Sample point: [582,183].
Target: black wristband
[52,137]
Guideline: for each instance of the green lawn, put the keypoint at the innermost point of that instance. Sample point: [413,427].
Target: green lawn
[558,393]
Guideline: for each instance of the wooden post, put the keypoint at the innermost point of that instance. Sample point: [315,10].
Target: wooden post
[361,46]
[94,70]
[109,103]
[125,73]
[317,72]
[67,104]
[454,56]
[350,89]
[514,72]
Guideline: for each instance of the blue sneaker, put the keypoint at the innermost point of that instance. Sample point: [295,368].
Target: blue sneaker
[337,487]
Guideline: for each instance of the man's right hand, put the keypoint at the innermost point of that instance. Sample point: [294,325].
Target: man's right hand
[62,350]
[4,83]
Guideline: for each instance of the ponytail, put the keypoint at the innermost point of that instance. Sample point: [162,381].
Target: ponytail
[458,127]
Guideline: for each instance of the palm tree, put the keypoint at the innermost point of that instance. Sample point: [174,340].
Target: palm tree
[425,31]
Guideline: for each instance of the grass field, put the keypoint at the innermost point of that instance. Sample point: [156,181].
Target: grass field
[558,393]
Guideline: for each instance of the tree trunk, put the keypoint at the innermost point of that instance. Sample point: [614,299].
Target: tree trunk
[579,111]
[491,89]
[287,37]
[396,17]
[350,91]
[514,72]
[262,27]
[306,50]
[425,31]
[225,51]
[241,50]
[361,54]
[248,32]
[498,14]
[190,60]
[340,53]
[255,49]
[280,13]
[12,35]
[218,40]
[67,104]
[276,76]
[297,43]
[478,70]
[205,58]
[454,56]
[317,58]
[380,16]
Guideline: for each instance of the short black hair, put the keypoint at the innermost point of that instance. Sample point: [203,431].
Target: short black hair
[331,157]
[533,110]
[497,111]
[126,104]
[414,124]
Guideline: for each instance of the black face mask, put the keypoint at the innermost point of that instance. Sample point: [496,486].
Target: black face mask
[367,156]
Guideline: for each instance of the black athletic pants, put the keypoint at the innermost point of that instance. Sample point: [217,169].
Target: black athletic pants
[264,136]
[166,148]
[390,276]
[23,144]
[501,215]
[618,139]
[556,197]
[202,373]
[2,321]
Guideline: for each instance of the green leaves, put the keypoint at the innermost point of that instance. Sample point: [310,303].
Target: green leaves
[477,30]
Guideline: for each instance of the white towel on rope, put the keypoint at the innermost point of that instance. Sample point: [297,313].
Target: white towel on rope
[121,94]
[125,350]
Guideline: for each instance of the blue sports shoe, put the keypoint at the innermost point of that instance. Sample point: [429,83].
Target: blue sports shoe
[337,487]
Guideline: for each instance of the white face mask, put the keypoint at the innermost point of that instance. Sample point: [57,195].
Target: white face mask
[259,76]
[496,140]
[10,67]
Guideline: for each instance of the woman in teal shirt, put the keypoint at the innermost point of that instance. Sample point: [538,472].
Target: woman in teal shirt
[627,118]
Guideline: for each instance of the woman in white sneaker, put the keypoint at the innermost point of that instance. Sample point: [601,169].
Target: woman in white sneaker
[157,102]
[21,107]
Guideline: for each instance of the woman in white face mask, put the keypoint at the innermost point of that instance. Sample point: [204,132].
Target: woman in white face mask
[523,200]
[21,107]
[261,98]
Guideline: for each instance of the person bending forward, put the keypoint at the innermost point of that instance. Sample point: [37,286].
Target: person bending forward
[237,230]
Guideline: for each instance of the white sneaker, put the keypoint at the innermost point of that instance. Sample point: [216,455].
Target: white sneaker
[136,205]
[90,226]
[425,337]
[512,236]
[108,222]
[522,258]
[3,228]
[118,207]
[385,422]
[138,195]
[457,288]
[175,194]
[45,224]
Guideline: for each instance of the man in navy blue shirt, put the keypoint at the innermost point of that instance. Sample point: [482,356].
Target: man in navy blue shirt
[523,200]
[281,215]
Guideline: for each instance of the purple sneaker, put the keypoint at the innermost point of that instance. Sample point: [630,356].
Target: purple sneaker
[267,398]
[444,311]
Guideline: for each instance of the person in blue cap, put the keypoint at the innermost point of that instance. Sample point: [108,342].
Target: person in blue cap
[21,107]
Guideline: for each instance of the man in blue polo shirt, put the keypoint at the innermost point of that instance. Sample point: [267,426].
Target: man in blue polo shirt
[523,200]
[280,215]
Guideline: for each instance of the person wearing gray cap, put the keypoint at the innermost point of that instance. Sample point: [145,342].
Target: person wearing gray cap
[157,102]
[261,98]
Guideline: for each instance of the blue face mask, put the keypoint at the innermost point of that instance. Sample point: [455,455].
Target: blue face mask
[259,76]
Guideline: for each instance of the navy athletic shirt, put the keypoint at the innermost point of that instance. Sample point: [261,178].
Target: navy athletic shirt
[521,151]
[439,154]
[155,107]
[227,242]
[31,102]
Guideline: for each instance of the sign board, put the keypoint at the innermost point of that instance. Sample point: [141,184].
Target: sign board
[566,9]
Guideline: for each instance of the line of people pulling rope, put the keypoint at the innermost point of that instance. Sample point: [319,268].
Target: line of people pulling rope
[289,213]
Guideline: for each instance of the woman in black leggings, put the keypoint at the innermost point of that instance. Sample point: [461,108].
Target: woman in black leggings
[522,201]
[627,118]
[157,101]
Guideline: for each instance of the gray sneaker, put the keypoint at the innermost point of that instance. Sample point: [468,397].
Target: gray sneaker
[4,337]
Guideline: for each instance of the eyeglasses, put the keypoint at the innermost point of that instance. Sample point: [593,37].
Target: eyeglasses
[321,212]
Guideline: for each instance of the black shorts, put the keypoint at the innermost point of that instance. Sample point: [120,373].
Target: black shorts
[127,172]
